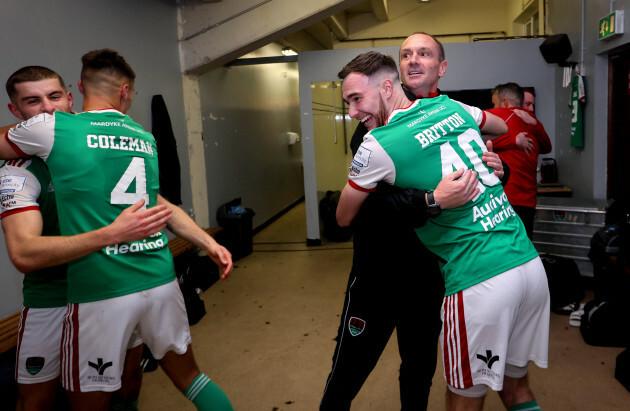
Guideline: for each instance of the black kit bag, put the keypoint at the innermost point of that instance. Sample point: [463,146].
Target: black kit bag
[605,323]
[609,254]
[565,285]
[622,368]
[194,274]
[328,213]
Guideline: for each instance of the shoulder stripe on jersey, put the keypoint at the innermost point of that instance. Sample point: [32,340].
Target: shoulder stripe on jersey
[483,120]
[18,162]
[18,210]
[365,190]
[15,147]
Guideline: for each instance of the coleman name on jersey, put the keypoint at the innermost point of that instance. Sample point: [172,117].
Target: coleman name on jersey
[119,143]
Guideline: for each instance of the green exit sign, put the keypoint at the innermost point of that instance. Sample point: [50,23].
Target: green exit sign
[611,25]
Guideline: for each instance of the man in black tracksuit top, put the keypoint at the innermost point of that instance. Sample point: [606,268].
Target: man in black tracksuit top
[403,291]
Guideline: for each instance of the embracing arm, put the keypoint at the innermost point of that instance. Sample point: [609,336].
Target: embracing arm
[29,250]
[182,225]
[493,127]
[544,143]
[349,204]
[6,151]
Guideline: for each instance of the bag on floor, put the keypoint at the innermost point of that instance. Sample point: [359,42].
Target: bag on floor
[148,362]
[622,368]
[565,285]
[328,213]
[605,323]
[185,268]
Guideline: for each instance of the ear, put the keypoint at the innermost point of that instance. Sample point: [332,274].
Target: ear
[13,109]
[70,100]
[387,87]
[442,67]
[505,103]
[124,92]
[81,87]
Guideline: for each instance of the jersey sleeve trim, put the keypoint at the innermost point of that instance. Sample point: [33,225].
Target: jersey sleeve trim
[483,119]
[15,148]
[358,187]
[19,210]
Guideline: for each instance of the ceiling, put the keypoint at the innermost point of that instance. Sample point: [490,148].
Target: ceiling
[322,35]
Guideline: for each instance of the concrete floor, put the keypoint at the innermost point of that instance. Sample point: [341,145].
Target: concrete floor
[267,339]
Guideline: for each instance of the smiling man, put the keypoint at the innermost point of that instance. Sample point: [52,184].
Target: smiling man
[30,224]
[422,64]
[385,241]
[131,287]
[496,307]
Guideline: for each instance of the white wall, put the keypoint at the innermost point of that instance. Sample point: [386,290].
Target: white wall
[584,170]
[56,34]
[332,142]
[247,111]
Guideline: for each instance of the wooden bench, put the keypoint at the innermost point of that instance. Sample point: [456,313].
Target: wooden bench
[179,245]
[9,331]
[9,325]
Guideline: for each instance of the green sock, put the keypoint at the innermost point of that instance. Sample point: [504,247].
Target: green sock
[206,395]
[132,405]
[526,406]
[118,404]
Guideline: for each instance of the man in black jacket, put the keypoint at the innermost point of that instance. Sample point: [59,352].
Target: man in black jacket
[403,291]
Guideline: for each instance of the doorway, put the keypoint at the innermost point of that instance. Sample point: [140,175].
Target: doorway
[619,126]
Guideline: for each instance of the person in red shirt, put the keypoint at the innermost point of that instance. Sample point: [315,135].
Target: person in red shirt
[519,148]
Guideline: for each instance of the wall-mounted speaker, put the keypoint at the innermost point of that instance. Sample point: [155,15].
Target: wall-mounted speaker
[556,48]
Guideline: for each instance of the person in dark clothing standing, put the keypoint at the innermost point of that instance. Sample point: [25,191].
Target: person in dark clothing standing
[403,291]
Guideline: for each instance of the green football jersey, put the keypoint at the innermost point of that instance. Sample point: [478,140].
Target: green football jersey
[418,147]
[25,185]
[101,162]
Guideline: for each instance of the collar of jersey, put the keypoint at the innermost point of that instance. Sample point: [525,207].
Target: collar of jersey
[431,95]
[402,109]
[105,110]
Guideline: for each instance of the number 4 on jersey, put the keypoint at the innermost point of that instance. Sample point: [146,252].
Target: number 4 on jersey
[135,171]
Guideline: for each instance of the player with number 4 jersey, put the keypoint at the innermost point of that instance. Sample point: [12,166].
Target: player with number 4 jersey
[101,162]
[124,294]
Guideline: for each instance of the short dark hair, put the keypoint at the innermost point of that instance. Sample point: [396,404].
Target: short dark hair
[530,90]
[440,45]
[512,92]
[369,64]
[30,73]
[107,62]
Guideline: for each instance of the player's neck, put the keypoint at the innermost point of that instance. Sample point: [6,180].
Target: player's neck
[100,102]
[399,100]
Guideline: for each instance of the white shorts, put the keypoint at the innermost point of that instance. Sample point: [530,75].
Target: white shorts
[504,319]
[38,345]
[97,334]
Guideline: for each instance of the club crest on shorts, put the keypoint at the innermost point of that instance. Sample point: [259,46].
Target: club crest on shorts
[35,364]
[356,326]
[489,359]
[100,366]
